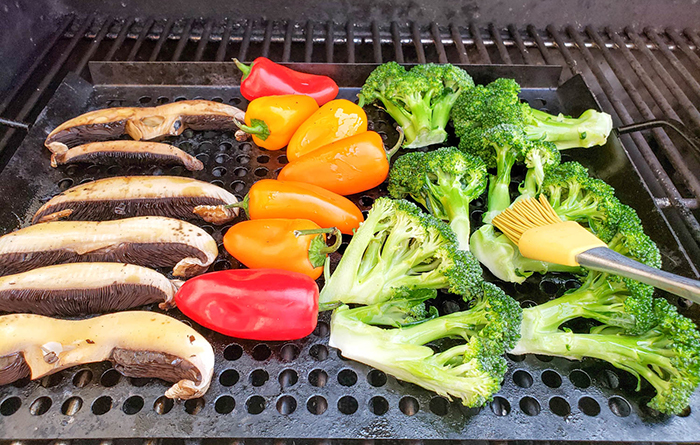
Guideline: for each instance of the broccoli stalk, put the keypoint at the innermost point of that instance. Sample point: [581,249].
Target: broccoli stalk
[397,246]
[444,181]
[667,355]
[505,144]
[590,129]
[471,371]
[419,100]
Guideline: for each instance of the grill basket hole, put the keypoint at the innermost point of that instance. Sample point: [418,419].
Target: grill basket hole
[259,377]
[322,329]
[255,405]
[580,379]
[500,406]
[102,405]
[530,406]
[139,381]
[522,378]
[515,358]
[133,405]
[319,352]
[409,405]
[261,172]
[261,352]
[233,352]
[589,406]
[347,405]
[378,405]
[439,406]
[194,406]
[318,378]
[559,406]
[82,378]
[263,159]
[40,406]
[71,406]
[347,377]
[317,405]
[608,379]
[163,405]
[286,405]
[110,378]
[229,377]
[619,406]
[288,377]
[551,379]
[544,358]
[52,380]
[10,406]
[224,404]
[376,378]
[289,352]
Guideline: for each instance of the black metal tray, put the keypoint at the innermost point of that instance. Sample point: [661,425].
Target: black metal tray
[304,389]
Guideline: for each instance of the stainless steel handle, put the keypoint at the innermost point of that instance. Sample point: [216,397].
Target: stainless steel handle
[607,260]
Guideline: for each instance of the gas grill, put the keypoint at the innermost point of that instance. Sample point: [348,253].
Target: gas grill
[647,78]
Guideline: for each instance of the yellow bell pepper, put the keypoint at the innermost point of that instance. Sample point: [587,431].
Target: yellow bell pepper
[272,120]
[335,120]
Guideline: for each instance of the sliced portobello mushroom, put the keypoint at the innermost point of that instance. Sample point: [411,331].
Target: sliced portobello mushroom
[144,123]
[149,241]
[126,196]
[138,343]
[126,152]
[85,288]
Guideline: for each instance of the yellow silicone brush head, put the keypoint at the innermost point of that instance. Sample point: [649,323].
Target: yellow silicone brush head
[541,235]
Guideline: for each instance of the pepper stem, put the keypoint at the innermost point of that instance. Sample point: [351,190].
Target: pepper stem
[258,127]
[318,250]
[396,147]
[245,69]
[240,205]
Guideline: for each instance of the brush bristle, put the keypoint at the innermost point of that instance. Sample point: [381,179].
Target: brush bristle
[525,215]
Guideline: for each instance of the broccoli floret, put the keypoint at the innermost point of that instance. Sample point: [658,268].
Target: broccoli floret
[444,181]
[575,196]
[667,354]
[419,100]
[482,108]
[471,371]
[539,157]
[398,246]
[486,106]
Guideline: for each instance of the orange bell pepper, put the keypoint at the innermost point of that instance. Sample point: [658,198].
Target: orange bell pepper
[335,120]
[297,245]
[348,166]
[270,198]
[273,120]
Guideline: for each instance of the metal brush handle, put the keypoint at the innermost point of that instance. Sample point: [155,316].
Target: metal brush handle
[607,260]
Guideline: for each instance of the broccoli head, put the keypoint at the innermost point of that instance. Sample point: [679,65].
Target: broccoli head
[398,246]
[419,100]
[444,181]
[471,371]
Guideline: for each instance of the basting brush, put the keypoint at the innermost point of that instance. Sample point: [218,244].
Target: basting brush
[541,235]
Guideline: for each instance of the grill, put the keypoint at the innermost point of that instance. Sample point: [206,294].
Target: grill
[304,389]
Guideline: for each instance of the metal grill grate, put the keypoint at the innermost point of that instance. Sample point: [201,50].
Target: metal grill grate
[639,75]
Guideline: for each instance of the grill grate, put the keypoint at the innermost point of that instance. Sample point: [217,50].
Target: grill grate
[641,75]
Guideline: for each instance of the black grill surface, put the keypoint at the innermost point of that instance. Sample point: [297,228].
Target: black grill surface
[305,389]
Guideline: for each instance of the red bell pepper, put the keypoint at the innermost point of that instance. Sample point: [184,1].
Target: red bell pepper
[259,304]
[267,78]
